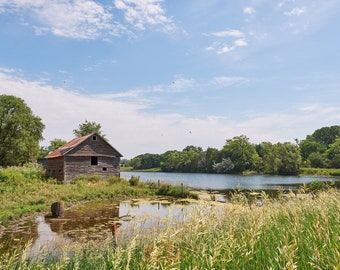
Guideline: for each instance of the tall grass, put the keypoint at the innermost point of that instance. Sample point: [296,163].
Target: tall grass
[25,190]
[301,232]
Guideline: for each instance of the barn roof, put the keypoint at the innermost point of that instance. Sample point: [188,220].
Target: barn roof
[61,151]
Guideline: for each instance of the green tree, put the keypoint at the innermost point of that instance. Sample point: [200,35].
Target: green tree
[326,135]
[288,158]
[20,132]
[241,152]
[269,160]
[88,127]
[54,144]
[146,161]
[333,154]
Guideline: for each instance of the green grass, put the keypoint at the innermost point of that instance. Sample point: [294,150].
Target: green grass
[130,169]
[24,190]
[300,232]
[320,171]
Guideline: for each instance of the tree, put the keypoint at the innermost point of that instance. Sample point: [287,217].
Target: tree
[20,132]
[224,166]
[333,154]
[289,158]
[54,144]
[88,127]
[326,135]
[241,152]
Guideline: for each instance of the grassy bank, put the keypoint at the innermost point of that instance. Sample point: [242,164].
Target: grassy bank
[130,169]
[301,232]
[24,190]
[320,171]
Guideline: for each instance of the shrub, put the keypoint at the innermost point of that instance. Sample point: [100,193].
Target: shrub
[87,178]
[134,180]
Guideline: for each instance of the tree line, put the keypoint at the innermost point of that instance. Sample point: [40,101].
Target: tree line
[319,150]
[21,132]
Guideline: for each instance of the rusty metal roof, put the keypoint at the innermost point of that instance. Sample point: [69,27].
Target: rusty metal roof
[67,147]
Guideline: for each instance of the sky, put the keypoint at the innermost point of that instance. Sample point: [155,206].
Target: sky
[160,75]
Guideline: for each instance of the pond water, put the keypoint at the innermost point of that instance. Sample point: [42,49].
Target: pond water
[93,221]
[227,181]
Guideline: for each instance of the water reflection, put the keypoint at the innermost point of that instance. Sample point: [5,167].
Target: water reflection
[93,221]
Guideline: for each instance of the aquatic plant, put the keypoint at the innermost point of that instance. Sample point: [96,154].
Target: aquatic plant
[296,233]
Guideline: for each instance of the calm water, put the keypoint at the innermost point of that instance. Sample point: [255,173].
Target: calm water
[92,221]
[222,181]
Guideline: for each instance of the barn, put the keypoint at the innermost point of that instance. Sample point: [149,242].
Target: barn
[87,155]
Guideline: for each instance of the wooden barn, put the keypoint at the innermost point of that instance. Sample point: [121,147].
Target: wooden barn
[87,155]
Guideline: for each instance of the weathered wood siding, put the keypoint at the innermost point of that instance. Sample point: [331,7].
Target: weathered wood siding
[55,168]
[90,147]
[81,165]
[92,156]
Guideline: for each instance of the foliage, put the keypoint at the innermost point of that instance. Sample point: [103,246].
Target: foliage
[322,148]
[283,234]
[25,190]
[146,161]
[177,191]
[320,171]
[134,181]
[88,127]
[241,152]
[268,158]
[20,132]
[224,166]
[54,145]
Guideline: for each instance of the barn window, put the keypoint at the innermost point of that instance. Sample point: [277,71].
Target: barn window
[94,137]
[104,169]
[94,160]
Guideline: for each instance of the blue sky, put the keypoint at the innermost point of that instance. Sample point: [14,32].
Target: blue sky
[160,75]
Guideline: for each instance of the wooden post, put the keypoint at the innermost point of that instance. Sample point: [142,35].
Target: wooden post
[57,209]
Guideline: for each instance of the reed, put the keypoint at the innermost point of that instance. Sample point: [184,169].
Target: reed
[299,232]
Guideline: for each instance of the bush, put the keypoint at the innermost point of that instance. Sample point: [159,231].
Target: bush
[134,180]
[174,191]
[87,178]
[115,180]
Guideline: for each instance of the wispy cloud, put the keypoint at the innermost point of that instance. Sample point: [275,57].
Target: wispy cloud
[88,19]
[156,133]
[297,11]
[225,81]
[228,33]
[142,13]
[228,40]
[249,10]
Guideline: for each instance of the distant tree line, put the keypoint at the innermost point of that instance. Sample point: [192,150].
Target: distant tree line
[21,131]
[319,150]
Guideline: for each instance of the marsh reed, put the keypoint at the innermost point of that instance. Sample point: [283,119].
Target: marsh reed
[299,232]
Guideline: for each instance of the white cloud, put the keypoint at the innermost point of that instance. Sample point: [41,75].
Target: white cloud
[295,11]
[228,33]
[249,10]
[133,132]
[82,19]
[142,13]
[88,19]
[228,40]
[224,81]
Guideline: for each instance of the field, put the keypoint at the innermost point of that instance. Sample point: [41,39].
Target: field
[290,232]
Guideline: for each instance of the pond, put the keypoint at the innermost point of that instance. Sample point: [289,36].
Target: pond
[227,181]
[93,221]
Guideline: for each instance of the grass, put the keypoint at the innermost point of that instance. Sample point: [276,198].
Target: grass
[24,190]
[299,232]
[320,171]
[130,169]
